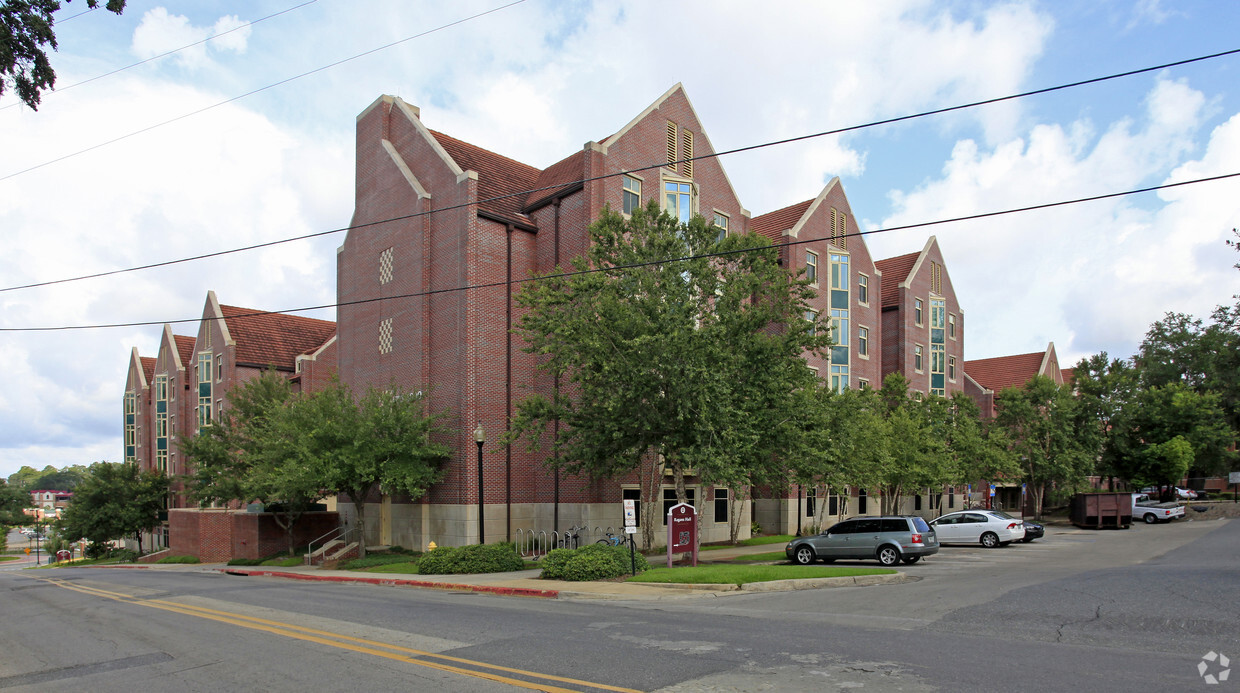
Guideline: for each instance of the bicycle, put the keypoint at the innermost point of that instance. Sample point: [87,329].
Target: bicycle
[571,538]
[614,540]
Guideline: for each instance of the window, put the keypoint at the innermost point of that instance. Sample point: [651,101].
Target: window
[669,499]
[951,496]
[385,336]
[833,504]
[951,369]
[721,505]
[161,422]
[840,357]
[917,502]
[811,316]
[811,501]
[863,342]
[811,266]
[385,266]
[678,199]
[635,495]
[219,368]
[917,310]
[131,426]
[938,348]
[951,325]
[204,389]
[861,498]
[632,194]
[863,289]
[917,359]
[863,384]
[721,223]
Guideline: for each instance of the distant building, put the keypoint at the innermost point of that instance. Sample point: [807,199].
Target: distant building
[988,377]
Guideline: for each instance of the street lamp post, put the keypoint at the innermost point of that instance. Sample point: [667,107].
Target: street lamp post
[480,437]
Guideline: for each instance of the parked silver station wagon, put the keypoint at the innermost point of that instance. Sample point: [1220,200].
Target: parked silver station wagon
[889,540]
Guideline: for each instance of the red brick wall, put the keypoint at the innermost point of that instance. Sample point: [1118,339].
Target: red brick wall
[215,536]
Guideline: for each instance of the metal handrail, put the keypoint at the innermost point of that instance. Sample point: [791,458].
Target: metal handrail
[341,532]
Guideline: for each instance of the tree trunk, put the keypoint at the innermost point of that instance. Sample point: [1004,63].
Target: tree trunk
[359,505]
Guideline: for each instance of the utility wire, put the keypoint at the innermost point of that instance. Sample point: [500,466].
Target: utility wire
[256,91]
[559,275]
[560,186]
[167,53]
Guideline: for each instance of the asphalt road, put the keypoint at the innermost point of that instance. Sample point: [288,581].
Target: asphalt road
[1079,611]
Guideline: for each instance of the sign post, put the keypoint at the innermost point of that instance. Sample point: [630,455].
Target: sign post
[630,528]
[682,532]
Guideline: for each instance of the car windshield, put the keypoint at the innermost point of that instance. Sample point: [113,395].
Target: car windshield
[1000,513]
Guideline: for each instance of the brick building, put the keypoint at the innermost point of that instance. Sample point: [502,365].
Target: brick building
[988,377]
[922,324]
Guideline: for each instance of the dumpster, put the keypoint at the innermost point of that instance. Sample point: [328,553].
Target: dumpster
[1098,510]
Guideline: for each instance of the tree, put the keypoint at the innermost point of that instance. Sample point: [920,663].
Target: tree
[1158,415]
[382,441]
[1041,420]
[13,501]
[251,453]
[665,349]
[26,26]
[117,500]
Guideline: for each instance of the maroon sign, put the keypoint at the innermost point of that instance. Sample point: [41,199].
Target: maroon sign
[682,531]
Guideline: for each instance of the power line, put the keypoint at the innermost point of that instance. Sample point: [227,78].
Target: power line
[472,287]
[167,53]
[559,186]
[256,91]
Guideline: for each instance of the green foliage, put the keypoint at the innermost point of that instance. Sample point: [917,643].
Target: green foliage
[378,559]
[477,558]
[663,350]
[178,559]
[26,27]
[121,555]
[115,501]
[245,561]
[284,561]
[12,501]
[593,562]
[755,528]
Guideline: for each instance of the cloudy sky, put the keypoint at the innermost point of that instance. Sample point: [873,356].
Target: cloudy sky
[233,146]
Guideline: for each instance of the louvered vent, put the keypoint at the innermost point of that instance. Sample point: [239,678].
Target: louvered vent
[671,144]
[686,152]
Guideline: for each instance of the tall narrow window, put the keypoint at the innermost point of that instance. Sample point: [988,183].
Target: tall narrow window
[632,194]
[917,359]
[161,422]
[811,266]
[863,289]
[951,369]
[811,501]
[861,501]
[721,223]
[131,426]
[219,368]
[840,315]
[811,316]
[204,389]
[917,311]
[863,341]
[721,505]
[951,325]
[938,346]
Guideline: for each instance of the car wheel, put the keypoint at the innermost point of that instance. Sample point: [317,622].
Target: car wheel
[888,555]
[910,560]
[804,555]
[990,540]
[1150,518]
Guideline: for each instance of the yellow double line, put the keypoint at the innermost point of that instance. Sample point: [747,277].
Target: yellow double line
[533,680]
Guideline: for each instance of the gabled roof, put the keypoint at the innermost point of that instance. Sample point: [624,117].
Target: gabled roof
[185,349]
[895,271]
[148,368]
[1005,371]
[275,339]
[774,224]
[497,176]
[564,173]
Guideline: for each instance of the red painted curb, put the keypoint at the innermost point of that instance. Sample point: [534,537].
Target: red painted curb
[390,582]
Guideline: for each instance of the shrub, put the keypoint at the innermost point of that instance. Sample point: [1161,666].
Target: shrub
[178,559]
[755,528]
[593,562]
[245,561]
[377,559]
[459,560]
[123,555]
[284,561]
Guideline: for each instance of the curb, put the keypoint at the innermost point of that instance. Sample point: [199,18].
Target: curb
[389,582]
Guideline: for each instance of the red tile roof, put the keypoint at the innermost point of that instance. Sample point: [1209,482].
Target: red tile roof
[497,176]
[773,224]
[556,177]
[185,348]
[1005,371]
[274,338]
[895,270]
[1066,374]
[148,368]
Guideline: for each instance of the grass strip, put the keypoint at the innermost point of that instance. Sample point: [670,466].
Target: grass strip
[741,574]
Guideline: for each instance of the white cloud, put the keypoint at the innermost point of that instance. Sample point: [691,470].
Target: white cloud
[161,32]
[1089,275]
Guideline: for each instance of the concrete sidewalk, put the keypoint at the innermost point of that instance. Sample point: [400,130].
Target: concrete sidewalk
[527,583]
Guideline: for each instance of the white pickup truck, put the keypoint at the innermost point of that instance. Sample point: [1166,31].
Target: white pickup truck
[1151,511]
